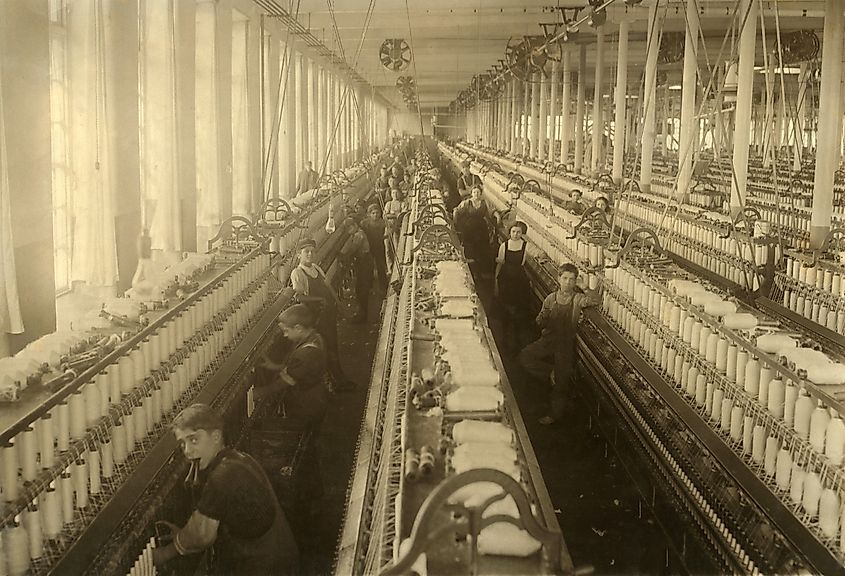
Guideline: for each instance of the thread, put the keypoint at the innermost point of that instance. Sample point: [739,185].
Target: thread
[725,420]
[758,444]
[51,512]
[818,426]
[94,471]
[27,453]
[790,396]
[66,491]
[700,390]
[752,377]
[31,520]
[766,375]
[835,440]
[716,407]
[91,398]
[107,457]
[812,493]
[736,423]
[62,416]
[101,382]
[829,513]
[127,371]
[9,470]
[79,472]
[770,458]
[118,442]
[784,469]
[77,415]
[16,544]
[712,349]
[115,388]
[803,413]
[741,364]
[796,484]
[730,365]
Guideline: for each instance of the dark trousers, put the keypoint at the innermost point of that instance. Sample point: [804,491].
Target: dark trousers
[544,356]
[381,266]
[327,327]
[363,284]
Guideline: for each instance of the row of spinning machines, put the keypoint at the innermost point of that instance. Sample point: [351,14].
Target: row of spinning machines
[88,462]
[718,349]
[445,479]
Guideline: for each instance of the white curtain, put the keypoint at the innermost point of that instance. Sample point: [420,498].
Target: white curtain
[94,259]
[207,148]
[10,312]
[159,166]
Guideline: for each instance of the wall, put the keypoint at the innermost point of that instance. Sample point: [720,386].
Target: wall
[407,122]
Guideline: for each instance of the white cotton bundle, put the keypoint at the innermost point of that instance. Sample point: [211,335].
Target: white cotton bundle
[482,431]
[703,297]
[457,308]
[775,343]
[809,360]
[474,399]
[504,539]
[740,321]
[683,287]
[826,374]
[719,307]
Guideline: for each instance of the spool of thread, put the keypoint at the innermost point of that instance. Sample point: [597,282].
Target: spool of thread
[752,377]
[94,470]
[113,372]
[62,418]
[157,409]
[712,349]
[771,455]
[126,373]
[51,512]
[716,410]
[66,492]
[692,381]
[79,471]
[695,335]
[689,324]
[118,442]
[703,340]
[149,416]
[829,505]
[736,423]
[818,427]
[700,390]
[9,470]
[776,398]
[427,460]
[796,483]
[708,398]
[77,415]
[101,381]
[812,494]
[107,457]
[675,318]
[741,364]
[129,431]
[766,375]
[139,418]
[730,364]
[167,387]
[725,420]
[784,469]
[31,520]
[27,453]
[834,444]
[91,397]
[790,395]
[16,545]
[679,369]
[758,444]
[412,465]
[803,413]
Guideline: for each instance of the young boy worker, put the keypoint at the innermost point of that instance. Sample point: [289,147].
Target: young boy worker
[237,515]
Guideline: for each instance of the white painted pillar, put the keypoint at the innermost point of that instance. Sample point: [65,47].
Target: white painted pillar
[827,157]
[526,114]
[689,124]
[596,163]
[565,98]
[649,93]
[543,119]
[621,95]
[513,124]
[744,93]
[801,108]
[534,131]
[553,110]
[579,108]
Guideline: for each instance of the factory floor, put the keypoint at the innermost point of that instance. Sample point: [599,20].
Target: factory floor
[604,523]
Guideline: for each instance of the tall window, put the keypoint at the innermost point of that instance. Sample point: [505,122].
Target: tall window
[62,221]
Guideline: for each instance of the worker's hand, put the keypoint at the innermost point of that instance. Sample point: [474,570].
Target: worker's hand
[166,529]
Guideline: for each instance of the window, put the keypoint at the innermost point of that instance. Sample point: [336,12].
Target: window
[241,169]
[62,202]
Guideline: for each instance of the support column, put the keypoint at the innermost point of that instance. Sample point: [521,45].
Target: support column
[542,124]
[827,143]
[323,124]
[526,114]
[565,98]
[579,108]
[664,122]
[649,93]
[513,126]
[534,115]
[689,125]
[621,95]
[553,109]
[291,105]
[596,163]
[744,93]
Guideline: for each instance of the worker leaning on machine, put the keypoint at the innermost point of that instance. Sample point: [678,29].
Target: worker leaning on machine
[237,519]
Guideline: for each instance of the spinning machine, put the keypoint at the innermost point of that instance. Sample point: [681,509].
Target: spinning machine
[715,358]
[88,462]
[445,479]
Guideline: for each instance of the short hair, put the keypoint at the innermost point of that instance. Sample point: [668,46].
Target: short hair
[520,224]
[198,417]
[568,267]
[299,314]
[576,190]
[606,201]
[475,187]
[350,221]
[372,205]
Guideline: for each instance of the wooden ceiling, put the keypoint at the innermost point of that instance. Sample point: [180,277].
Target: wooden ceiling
[453,40]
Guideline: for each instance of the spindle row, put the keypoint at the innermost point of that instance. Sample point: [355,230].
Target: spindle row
[59,471]
[791,441]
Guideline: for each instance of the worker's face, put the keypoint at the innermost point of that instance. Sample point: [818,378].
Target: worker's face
[476,194]
[601,204]
[373,213]
[516,232]
[293,332]
[575,196]
[306,255]
[199,445]
[567,281]
[394,194]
